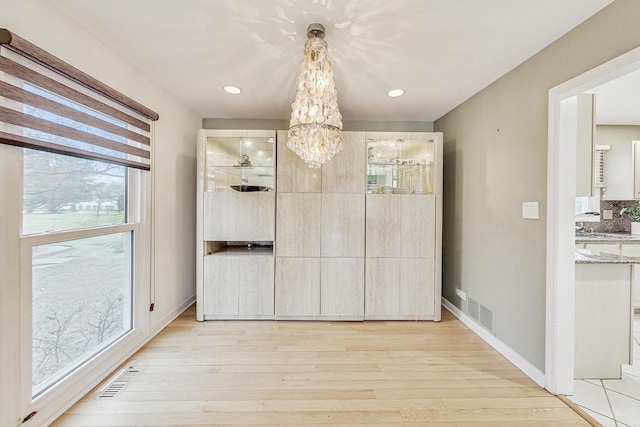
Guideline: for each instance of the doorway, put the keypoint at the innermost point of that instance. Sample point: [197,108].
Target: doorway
[561,192]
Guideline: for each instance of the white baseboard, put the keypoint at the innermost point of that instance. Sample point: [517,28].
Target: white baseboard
[170,317]
[521,363]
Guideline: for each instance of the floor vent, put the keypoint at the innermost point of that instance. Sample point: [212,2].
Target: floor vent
[118,383]
[481,314]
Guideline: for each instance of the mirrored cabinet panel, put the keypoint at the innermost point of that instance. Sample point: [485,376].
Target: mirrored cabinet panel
[400,166]
[240,163]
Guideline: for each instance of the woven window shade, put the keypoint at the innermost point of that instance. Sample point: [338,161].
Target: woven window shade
[47,104]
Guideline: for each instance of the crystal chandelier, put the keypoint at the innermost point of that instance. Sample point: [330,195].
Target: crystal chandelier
[315,131]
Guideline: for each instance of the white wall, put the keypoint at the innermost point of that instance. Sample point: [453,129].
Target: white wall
[495,158]
[174,148]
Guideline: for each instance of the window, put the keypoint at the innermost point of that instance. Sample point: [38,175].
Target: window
[80,210]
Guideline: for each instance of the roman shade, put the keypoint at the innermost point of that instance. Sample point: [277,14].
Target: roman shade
[47,104]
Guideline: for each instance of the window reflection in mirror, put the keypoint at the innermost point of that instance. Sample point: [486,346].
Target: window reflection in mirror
[587,204]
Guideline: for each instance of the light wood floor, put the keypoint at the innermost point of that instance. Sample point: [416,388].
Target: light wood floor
[321,373]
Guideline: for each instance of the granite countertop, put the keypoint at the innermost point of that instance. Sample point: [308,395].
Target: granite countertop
[607,238]
[588,256]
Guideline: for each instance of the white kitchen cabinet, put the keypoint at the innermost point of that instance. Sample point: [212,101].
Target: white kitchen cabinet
[608,248]
[585,145]
[603,319]
[634,251]
[622,174]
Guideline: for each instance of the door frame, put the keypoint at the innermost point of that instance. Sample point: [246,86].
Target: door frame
[561,193]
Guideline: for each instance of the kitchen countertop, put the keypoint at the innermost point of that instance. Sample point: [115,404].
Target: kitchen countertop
[607,238]
[588,256]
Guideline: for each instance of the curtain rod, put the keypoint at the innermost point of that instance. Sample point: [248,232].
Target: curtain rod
[24,48]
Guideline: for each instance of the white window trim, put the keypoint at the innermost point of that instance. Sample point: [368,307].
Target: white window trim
[15,299]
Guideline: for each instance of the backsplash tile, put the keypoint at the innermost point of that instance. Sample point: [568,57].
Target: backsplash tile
[619,224]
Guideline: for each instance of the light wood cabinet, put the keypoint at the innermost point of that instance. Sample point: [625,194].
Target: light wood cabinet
[235,225]
[346,171]
[298,287]
[239,216]
[242,286]
[294,176]
[358,238]
[342,226]
[400,288]
[342,288]
[403,227]
[299,225]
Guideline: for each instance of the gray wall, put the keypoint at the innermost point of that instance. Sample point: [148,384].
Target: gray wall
[495,157]
[213,123]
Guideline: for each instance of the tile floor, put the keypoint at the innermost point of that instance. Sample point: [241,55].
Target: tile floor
[614,403]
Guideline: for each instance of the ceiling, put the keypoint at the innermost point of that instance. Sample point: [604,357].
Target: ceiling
[617,102]
[441,52]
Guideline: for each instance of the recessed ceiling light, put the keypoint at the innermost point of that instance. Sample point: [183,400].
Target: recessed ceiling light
[395,93]
[233,90]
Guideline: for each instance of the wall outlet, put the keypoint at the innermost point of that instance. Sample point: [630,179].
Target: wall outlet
[461,294]
[607,214]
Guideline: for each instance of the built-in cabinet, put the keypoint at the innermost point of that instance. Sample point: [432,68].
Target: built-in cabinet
[358,238]
[624,249]
[584,132]
[235,224]
[320,235]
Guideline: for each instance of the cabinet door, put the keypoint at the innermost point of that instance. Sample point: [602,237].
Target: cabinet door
[418,225]
[382,287]
[346,171]
[383,225]
[294,176]
[342,225]
[255,285]
[342,287]
[609,248]
[633,249]
[297,286]
[417,291]
[298,224]
[221,285]
[585,131]
[237,216]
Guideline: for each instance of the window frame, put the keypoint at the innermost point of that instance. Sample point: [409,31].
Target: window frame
[76,382]
[17,404]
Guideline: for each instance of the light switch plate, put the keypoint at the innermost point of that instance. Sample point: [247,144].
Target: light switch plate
[607,214]
[530,210]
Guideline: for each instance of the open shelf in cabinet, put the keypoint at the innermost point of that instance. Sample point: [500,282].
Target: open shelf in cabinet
[218,248]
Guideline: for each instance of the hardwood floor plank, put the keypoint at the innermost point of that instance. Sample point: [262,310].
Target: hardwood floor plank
[285,373]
